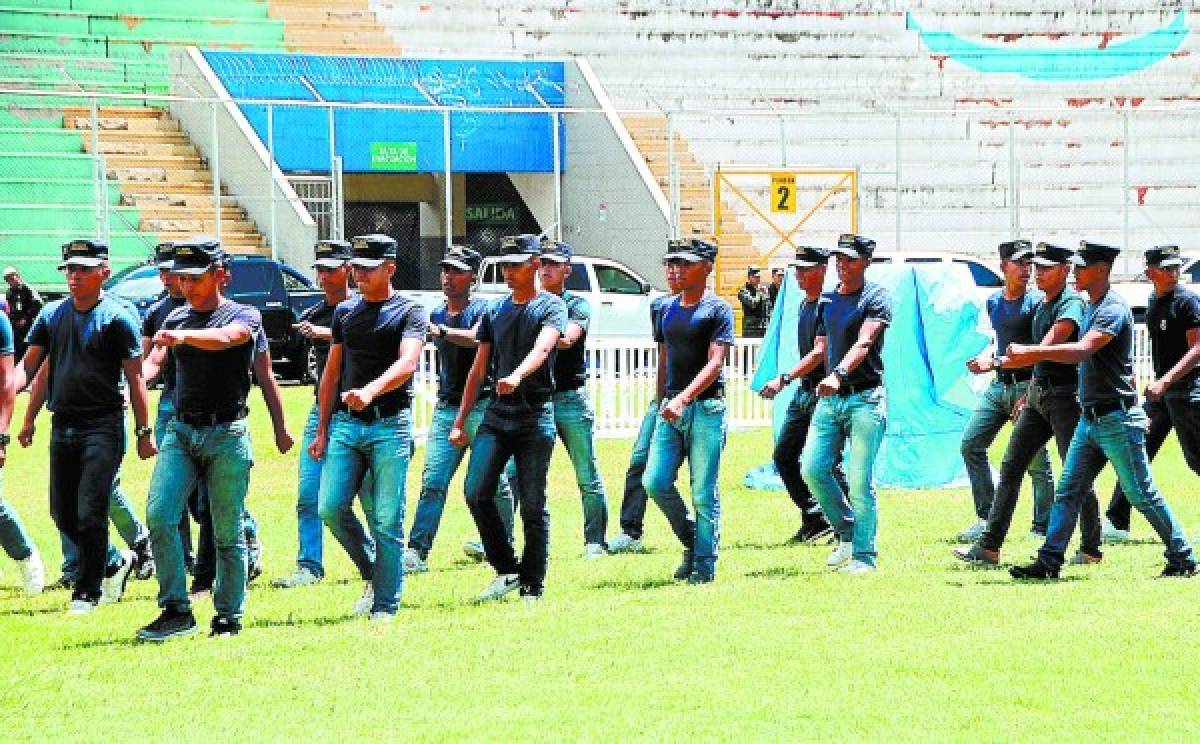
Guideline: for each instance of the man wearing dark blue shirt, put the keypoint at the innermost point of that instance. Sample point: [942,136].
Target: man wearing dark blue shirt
[852,405]
[517,337]
[89,340]
[452,327]
[809,370]
[1173,398]
[366,421]
[1011,312]
[1112,428]
[694,333]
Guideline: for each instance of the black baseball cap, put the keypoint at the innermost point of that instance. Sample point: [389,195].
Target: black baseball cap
[1050,254]
[753,270]
[164,255]
[1090,253]
[370,251]
[1164,256]
[84,252]
[1016,250]
[195,256]
[854,246]
[808,256]
[692,250]
[332,254]
[517,249]
[556,251]
[463,259]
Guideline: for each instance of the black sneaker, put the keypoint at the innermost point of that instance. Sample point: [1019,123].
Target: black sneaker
[170,624]
[223,627]
[685,567]
[811,532]
[1036,571]
[254,566]
[530,594]
[1178,571]
[200,587]
[701,576]
[143,560]
[64,582]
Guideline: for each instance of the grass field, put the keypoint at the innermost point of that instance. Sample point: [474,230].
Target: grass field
[777,648]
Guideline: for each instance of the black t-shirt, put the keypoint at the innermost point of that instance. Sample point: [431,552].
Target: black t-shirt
[512,330]
[320,314]
[1168,319]
[85,351]
[152,324]
[1068,305]
[370,334]
[1107,375]
[807,320]
[570,366]
[687,333]
[214,382]
[454,362]
[840,321]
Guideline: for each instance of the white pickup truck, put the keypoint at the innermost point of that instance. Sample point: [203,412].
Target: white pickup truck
[619,297]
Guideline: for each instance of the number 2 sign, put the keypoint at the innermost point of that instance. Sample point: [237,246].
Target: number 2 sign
[783,193]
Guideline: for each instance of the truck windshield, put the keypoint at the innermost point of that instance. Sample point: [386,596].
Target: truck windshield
[253,281]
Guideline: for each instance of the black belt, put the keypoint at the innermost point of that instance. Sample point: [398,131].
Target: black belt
[806,385]
[201,420]
[373,412]
[844,389]
[1047,385]
[1013,377]
[531,399]
[1093,413]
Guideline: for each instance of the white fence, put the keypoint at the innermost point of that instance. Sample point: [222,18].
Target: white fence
[621,378]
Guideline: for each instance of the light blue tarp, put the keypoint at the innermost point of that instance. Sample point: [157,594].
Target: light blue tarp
[935,329]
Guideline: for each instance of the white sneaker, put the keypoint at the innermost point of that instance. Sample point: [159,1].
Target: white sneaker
[33,573]
[856,568]
[474,551]
[413,562]
[972,533]
[1111,534]
[363,605]
[81,607]
[623,543]
[842,553]
[594,550]
[302,577]
[382,618]
[501,585]
[113,587]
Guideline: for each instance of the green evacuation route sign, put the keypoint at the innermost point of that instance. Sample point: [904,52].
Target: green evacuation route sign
[394,156]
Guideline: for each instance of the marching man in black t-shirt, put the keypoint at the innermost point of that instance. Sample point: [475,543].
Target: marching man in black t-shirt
[210,339]
[1173,399]
[366,421]
[694,333]
[1112,429]
[517,338]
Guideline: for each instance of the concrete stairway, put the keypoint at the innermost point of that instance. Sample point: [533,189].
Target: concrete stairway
[332,27]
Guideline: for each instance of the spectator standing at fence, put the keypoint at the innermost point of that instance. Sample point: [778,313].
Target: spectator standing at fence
[852,406]
[694,333]
[1011,312]
[1112,429]
[518,338]
[332,264]
[14,539]
[1173,398]
[210,338]
[24,304]
[808,371]
[452,328]
[777,277]
[1051,409]
[366,421]
[756,304]
[89,340]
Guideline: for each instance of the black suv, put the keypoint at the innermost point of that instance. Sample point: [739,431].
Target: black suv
[279,292]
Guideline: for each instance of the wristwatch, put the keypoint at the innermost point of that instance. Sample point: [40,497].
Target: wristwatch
[5,439]
[841,373]
[142,432]
[785,378]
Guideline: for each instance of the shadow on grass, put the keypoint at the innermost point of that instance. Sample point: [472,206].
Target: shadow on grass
[762,545]
[655,582]
[1003,579]
[33,611]
[302,621]
[781,572]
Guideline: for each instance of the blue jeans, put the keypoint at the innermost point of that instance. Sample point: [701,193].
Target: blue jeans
[633,503]
[1174,411]
[13,537]
[122,516]
[85,455]
[698,435]
[862,418]
[382,448]
[1118,438]
[441,461]
[993,412]
[221,456]
[310,528]
[792,436]
[524,432]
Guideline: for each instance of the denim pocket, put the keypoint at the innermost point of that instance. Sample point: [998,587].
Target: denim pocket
[712,405]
